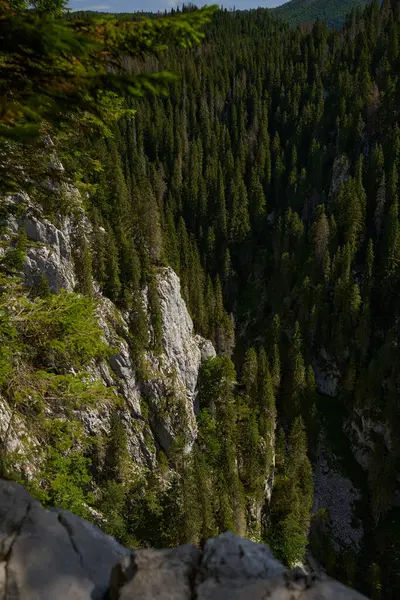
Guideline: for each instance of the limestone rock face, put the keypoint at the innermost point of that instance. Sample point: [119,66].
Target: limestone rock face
[52,257]
[171,388]
[182,349]
[229,567]
[337,494]
[51,554]
[49,251]
[340,173]
[206,348]
[148,574]
[363,431]
[230,563]
[169,385]
[327,374]
[17,439]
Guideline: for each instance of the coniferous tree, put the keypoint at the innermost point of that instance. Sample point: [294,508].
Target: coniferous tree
[272,189]
[392,246]
[112,284]
[380,206]
[292,498]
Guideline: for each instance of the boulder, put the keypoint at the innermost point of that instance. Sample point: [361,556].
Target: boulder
[50,554]
[229,567]
[147,574]
[53,554]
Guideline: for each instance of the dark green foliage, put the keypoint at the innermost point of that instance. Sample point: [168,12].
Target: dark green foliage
[292,497]
[116,454]
[65,474]
[83,264]
[321,543]
[113,508]
[55,75]
[41,339]
[112,283]
[59,330]
[269,180]
[42,287]
[233,454]
[14,258]
[305,12]
[156,318]
[217,442]
[375,585]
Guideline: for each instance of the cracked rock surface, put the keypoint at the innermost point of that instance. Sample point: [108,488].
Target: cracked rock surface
[50,555]
[55,555]
[147,574]
[229,567]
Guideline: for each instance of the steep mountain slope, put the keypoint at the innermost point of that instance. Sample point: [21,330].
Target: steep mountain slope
[268,179]
[152,397]
[333,12]
[285,196]
[103,418]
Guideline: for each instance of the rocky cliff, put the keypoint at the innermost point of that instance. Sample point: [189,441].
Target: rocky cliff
[51,554]
[158,405]
[362,426]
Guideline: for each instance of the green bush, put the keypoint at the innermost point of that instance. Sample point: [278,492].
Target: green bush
[65,475]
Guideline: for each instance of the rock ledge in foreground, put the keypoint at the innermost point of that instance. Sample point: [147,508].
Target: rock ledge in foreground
[55,555]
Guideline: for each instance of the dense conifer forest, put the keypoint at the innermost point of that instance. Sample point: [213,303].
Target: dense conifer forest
[333,12]
[268,178]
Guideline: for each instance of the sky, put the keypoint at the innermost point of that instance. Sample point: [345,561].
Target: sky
[156,5]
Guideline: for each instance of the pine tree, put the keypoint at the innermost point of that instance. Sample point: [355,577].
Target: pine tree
[42,288]
[83,264]
[116,464]
[392,246]
[321,233]
[276,367]
[112,284]
[380,206]
[266,405]
[250,375]
[240,222]
[292,497]
[368,272]
[257,202]
[98,244]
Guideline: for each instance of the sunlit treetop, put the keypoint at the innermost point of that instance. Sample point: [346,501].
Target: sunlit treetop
[57,70]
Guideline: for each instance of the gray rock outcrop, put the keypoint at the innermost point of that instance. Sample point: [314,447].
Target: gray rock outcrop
[337,495]
[169,387]
[340,173]
[363,432]
[49,252]
[183,351]
[52,554]
[327,374]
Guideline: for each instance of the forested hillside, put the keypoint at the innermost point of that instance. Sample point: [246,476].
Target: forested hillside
[333,12]
[268,179]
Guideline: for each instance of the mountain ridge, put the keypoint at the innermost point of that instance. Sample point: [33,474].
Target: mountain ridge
[333,12]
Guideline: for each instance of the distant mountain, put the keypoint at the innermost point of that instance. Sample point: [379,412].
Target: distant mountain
[332,11]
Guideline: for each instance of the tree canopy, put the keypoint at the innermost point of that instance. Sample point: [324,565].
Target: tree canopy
[60,74]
